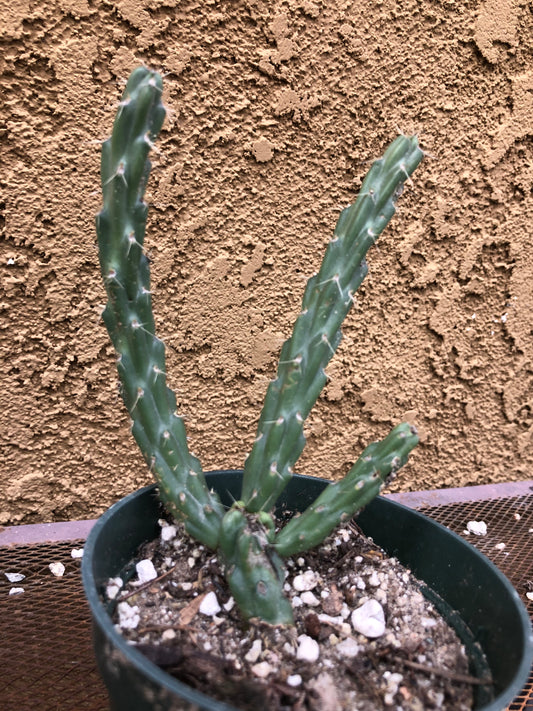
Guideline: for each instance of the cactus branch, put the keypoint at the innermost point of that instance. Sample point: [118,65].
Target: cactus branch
[341,500]
[158,430]
[316,335]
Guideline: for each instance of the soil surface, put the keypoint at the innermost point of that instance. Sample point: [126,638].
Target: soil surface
[275,109]
[364,638]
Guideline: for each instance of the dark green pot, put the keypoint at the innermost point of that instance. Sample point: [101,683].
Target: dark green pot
[472,594]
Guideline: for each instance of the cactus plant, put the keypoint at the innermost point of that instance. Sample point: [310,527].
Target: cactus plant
[245,536]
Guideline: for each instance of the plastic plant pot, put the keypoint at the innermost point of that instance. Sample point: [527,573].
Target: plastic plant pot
[470,592]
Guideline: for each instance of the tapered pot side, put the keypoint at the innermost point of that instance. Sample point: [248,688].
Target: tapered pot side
[471,593]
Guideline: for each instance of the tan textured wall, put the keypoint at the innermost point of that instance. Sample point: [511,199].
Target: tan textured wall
[275,109]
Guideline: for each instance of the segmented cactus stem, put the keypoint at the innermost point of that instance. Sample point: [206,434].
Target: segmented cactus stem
[341,500]
[316,335]
[157,428]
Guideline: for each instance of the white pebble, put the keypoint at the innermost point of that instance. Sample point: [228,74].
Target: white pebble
[308,649]
[113,588]
[309,598]
[345,611]
[145,571]
[262,670]
[478,528]
[393,680]
[294,680]
[168,634]
[305,581]
[428,622]
[296,601]
[348,648]
[209,605]
[76,553]
[329,619]
[253,654]
[128,616]
[57,569]
[369,619]
[168,533]
[374,579]
[499,546]
[16,591]
[529,595]
[381,596]
[14,577]
[229,605]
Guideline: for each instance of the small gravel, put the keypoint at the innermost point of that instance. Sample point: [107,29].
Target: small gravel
[364,638]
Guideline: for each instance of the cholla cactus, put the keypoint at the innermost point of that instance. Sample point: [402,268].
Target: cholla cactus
[245,536]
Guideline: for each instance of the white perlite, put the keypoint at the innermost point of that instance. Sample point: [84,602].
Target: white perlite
[393,681]
[478,528]
[114,585]
[294,680]
[305,581]
[262,670]
[254,652]
[57,569]
[145,571]
[308,649]
[14,577]
[128,616]
[16,591]
[76,553]
[309,598]
[168,533]
[209,605]
[348,648]
[369,619]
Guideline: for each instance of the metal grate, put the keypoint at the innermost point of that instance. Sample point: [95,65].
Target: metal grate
[509,521]
[46,658]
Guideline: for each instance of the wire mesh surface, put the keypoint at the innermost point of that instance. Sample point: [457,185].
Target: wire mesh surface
[46,658]
[509,522]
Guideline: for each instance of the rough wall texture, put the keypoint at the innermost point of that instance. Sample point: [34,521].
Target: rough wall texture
[275,109]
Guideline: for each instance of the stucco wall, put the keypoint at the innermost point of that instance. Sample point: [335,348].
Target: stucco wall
[275,110]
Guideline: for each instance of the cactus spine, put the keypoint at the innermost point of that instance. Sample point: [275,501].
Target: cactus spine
[244,536]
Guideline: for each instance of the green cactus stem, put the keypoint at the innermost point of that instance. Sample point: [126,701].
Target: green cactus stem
[244,537]
[254,571]
[157,428]
[316,335]
[378,463]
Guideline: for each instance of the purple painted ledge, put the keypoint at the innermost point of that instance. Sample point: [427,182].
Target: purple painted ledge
[78,530]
